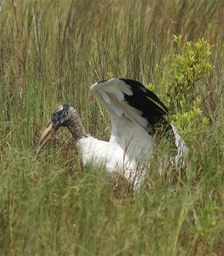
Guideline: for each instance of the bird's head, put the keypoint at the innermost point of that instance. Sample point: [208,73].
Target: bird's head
[59,118]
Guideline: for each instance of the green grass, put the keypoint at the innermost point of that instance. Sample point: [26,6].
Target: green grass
[50,53]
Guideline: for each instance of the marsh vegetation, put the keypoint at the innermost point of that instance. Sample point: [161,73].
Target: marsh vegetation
[50,53]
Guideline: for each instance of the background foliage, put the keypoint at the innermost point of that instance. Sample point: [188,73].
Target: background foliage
[51,52]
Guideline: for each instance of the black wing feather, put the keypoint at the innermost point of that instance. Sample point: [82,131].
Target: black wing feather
[152,108]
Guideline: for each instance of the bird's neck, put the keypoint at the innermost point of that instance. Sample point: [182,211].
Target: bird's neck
[75,126]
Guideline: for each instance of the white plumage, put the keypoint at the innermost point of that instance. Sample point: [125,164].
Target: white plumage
[136,115]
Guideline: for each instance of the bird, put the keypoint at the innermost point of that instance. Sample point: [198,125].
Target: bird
[137,116]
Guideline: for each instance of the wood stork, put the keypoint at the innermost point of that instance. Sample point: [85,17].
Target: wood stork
[136,113]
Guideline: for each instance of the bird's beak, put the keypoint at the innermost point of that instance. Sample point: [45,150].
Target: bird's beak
[46,135]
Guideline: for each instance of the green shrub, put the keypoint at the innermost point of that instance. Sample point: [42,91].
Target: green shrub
[180,84]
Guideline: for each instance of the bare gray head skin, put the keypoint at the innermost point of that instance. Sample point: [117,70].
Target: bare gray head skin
[64,115]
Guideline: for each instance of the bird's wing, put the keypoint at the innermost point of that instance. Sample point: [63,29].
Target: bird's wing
[136,114]
[129,98]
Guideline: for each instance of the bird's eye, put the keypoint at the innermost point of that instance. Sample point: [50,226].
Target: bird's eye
[63,114]
[59,113]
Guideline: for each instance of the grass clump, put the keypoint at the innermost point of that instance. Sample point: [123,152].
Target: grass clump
[50,52]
